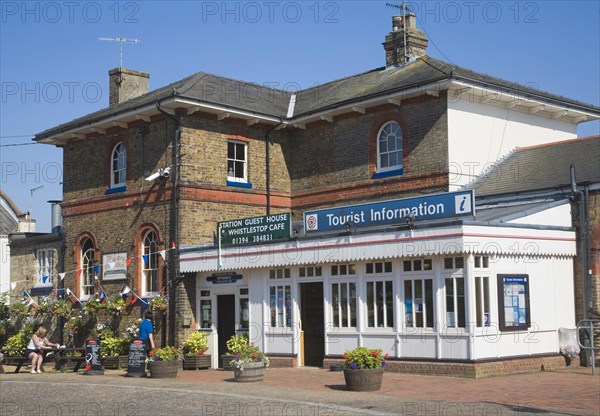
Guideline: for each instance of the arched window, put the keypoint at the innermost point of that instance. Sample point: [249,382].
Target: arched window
[150,260]
[118,166]
[87,268]
[389,147]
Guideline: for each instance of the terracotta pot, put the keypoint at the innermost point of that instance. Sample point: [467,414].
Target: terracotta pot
[368,379]
[252,372]
[163,369]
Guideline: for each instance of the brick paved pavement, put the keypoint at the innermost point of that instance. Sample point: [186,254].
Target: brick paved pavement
[572,391]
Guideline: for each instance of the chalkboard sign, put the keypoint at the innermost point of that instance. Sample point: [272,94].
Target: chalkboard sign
[93,362]
[136,362]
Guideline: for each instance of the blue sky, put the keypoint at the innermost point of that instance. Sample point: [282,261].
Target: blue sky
[53,68]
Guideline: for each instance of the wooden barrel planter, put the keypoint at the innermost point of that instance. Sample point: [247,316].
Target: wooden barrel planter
[163,369]
[196,362]
[114,363]
[368,379]
[252,372]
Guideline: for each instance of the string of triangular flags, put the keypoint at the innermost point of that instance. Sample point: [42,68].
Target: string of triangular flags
[128,260]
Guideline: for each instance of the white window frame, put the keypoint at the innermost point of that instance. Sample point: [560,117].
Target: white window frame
[455,302]
[413,296]
[45,266]
[400,164]
[87,269]
[150,249]
[383,306]
[118,165]
[341,319]
[231,177]
[482,302]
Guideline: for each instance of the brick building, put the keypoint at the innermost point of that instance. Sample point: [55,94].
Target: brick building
[155,171]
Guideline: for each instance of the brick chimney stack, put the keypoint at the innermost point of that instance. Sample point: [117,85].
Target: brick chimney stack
[126,84]
[397,52]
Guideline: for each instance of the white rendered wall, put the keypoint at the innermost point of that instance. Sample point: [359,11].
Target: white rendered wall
[480,134]
[557,216]
[4,265]
[551,307]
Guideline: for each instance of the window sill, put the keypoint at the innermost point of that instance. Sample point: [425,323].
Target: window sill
[247,185]
[115,190]
[388,173]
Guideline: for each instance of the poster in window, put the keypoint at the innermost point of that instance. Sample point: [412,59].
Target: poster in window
[513,292]
[114,266]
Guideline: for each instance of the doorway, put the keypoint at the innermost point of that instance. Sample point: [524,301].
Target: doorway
[313,323]
[226,322]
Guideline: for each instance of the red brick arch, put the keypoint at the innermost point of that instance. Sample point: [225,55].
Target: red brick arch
[77,258]
[137,253]
[376,126]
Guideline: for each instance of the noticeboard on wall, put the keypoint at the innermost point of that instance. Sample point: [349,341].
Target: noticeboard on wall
[513,302]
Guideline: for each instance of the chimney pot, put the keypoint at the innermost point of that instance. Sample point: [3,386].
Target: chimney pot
[405,41]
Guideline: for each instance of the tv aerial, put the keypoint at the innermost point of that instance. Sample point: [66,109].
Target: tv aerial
[121,42]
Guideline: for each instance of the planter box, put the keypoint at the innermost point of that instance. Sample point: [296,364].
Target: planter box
[196,362]
[363,379]
[163,369]
[114,363]
[226,359]
[252,372]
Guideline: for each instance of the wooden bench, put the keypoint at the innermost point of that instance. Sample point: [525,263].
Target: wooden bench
[69,357]
[16,358]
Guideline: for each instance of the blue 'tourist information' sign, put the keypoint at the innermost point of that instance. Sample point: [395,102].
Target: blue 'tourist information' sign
[396,211]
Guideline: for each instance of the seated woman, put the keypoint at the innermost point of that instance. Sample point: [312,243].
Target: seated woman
[38,343]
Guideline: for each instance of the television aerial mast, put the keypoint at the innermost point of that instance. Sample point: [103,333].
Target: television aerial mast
[121,42]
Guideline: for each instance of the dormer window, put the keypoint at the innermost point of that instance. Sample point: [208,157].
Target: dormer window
[389,148]
[118,166]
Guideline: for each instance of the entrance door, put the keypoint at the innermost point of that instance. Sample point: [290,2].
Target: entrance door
[313,323]
[226,322]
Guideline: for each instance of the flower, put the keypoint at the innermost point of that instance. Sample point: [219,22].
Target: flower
[244,352]
[167,353]
[363,358]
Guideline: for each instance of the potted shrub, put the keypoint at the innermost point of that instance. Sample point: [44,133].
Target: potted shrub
[163,362]
[113,351]
[363,369]
[16,345]
[248,361]
[194,348]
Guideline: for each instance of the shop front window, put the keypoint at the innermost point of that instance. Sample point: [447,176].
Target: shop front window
[343,304]
[418,303]
[280,298]
[380,305]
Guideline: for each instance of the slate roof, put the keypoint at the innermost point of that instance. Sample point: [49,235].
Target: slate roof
[267,101]
[7,223]
[542,167]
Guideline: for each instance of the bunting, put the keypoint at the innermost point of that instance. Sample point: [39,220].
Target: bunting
[146,259]
[125,290]
[44,279]
[163,254]
[62,276]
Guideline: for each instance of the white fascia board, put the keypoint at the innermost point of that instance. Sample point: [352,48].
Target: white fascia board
[247,115]
[107,122]
[397,97]
[538,105]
